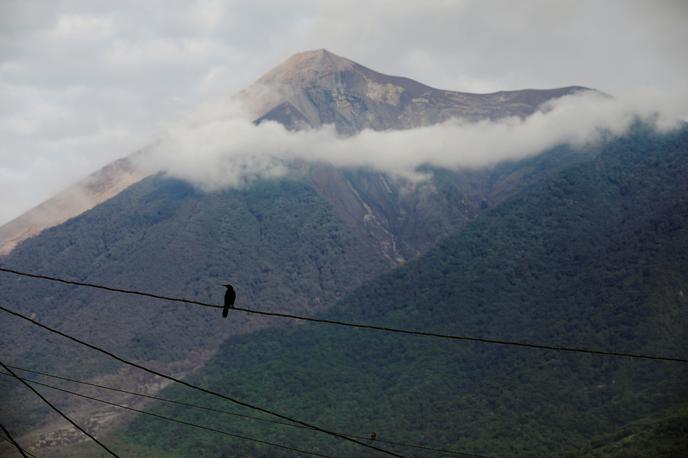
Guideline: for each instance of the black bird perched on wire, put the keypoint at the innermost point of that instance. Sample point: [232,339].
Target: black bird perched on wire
[230,297]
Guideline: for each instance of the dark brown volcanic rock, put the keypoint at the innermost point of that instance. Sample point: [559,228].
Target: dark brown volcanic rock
[314,88]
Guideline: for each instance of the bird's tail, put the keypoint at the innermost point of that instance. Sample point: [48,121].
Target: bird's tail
[225,312]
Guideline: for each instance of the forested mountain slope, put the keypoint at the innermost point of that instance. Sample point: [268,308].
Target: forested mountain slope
[164,235]
[595,257]
[279,243]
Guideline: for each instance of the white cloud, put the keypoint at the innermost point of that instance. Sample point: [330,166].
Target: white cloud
[219,147]
[81,26]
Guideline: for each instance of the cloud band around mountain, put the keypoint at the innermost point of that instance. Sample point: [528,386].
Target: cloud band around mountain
[219,147]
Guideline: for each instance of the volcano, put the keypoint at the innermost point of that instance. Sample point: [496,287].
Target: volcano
[309,90]
[294,245]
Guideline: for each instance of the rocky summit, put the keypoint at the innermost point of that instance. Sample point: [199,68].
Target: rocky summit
[314,88]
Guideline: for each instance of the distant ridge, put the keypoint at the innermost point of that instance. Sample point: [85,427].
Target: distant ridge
[84,195]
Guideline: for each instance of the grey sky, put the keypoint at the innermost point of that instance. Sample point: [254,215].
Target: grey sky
[84,82]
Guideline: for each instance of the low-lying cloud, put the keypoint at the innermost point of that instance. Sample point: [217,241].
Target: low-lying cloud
[219,147]
[83,83]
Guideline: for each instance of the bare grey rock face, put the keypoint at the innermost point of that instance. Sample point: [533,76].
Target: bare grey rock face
[314,88]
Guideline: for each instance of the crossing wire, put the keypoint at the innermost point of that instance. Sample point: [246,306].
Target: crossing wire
[12,441]
[21,449]
[103,446]
[196,387]
[226,412]
[207,428]
[356,325]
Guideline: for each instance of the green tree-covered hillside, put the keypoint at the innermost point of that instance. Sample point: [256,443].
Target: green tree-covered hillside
[594,257]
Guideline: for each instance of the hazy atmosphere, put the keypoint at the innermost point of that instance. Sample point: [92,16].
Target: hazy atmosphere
[83,83]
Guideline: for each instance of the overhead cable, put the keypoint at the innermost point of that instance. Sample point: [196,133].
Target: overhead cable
[207,428]
[11,440]
[103,446]
[360,325]
[196,387]
[236,414]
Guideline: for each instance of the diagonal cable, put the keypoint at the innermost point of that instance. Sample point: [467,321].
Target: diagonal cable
[174,420]
[196,387]
[236,414]
[103,446]
[12,441]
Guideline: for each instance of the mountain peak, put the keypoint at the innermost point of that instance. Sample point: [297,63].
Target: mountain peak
[307,68]
[318,57]
[318,87]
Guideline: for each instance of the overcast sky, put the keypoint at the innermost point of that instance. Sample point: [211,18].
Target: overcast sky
[85,82]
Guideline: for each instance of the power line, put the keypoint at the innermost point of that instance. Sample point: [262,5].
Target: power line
[21,449]
[358,325]
[108,288]
[251,417]
[196,387]
[158,398]
[11,440]
[226,433]
[59,411]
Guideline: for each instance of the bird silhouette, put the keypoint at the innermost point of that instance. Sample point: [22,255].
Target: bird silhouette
[230,297]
